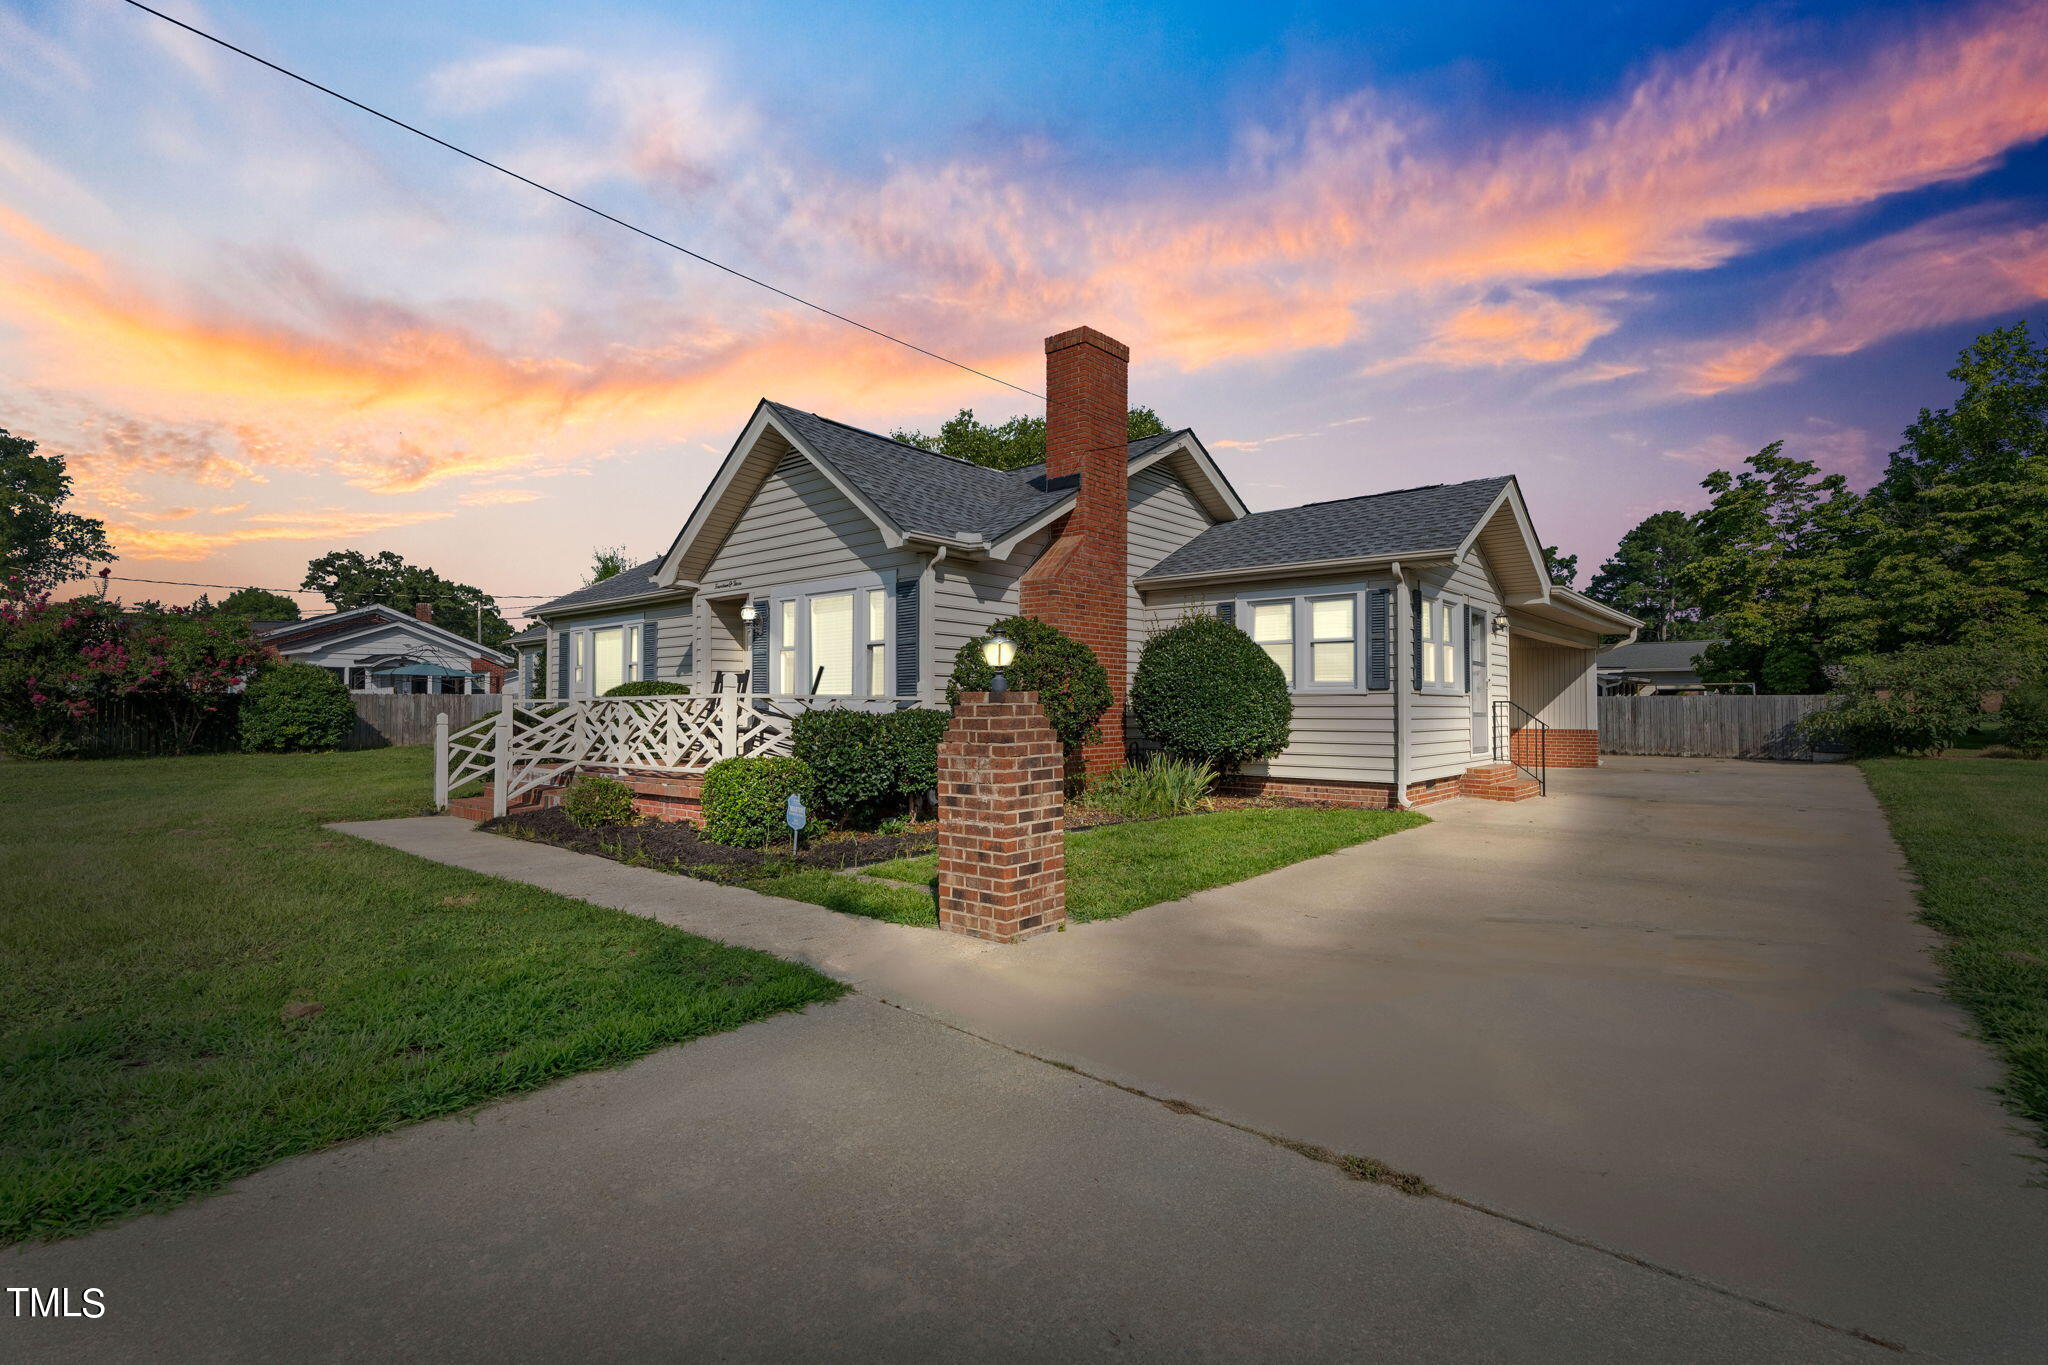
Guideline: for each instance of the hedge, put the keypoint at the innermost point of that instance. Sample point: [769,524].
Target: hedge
[870,765]
[651,687]
[744,799]
[291,706]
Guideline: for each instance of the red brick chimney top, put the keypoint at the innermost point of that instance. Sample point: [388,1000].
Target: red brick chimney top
[423,611]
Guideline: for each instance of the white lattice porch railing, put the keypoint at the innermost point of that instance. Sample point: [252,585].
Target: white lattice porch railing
[526,744]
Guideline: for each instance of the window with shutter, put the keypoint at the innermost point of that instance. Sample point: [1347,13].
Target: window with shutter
[1379,610]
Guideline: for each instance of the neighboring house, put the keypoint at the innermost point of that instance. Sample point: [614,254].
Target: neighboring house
[1646,667]
[529,650]
[1417,628]
[382,649]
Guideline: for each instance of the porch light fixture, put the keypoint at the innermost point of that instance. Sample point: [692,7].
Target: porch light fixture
[1500,623]
[747,613]
[998,650]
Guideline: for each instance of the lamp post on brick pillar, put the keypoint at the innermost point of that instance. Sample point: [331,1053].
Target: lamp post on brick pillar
[1002,846]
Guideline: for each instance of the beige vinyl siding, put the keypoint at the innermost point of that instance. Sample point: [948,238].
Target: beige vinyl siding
[1440,723]
[963,598]
[1343,736]
[1163,517]
[1556,682]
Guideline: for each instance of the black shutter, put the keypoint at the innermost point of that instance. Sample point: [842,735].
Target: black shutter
[1226,612]
[1415,633]
[562,663]
[1379,621]
[760,645]
[907,642]
[650,649]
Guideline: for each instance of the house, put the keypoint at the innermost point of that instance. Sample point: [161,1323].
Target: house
[1420,634]
[1644,668]
[382,649]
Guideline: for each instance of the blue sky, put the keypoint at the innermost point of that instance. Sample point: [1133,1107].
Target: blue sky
[1361,247]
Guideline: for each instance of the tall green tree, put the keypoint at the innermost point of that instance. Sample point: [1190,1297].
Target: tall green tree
[1561,568]
[1961,547]
[1012,444]
[349,578]
[1646,576]
[606,561]
[259,604]
[42,545]
[1782,547]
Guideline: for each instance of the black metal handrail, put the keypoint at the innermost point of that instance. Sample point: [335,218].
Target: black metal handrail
[1504,730]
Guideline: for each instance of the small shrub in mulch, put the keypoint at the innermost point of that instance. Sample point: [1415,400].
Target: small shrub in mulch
[593,802]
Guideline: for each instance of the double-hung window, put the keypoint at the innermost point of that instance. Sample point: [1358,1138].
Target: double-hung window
[602,657]
[1333,640]
[1443,668]
[832,641]
[1273,631]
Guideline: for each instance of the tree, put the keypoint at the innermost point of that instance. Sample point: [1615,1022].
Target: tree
[1960,549]
[1778,573]
[607,561]
[348,578]
[41,545]
[1646,576]
[1561,568]
[259,604]
[1014,444]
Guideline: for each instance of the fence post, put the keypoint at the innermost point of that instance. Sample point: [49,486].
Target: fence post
[501,757]
[728,725]
[441,761]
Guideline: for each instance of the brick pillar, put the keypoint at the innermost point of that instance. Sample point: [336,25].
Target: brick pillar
[1002,848]
[1082,583]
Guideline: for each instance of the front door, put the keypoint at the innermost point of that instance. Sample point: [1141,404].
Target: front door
[1478,680]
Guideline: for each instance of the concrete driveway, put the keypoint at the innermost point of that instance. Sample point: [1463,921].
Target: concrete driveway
[1679,1008]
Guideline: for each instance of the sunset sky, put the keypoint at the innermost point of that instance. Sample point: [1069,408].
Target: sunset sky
[1604,248]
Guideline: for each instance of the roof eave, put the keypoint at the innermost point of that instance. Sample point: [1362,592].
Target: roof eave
[1298,567]
[605,604]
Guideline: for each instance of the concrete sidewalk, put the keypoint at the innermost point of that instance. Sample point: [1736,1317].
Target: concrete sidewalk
[1680,1008]
[857,1183]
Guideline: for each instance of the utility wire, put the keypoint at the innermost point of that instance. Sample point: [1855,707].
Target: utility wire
[237,587]
[578,203]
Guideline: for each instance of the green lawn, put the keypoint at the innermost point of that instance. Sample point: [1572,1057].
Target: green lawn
[161,918]
[1115,869]
[1975,830]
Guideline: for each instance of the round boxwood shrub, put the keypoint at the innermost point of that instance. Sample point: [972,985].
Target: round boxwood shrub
[593,801]
[852,775]
[1204,691]
[652,687]
[1072,686]
[744,798]
[292,706]
[2024,720]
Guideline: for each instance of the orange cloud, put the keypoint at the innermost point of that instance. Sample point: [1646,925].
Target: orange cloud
[1954,269]
[1529,329]
[335,524]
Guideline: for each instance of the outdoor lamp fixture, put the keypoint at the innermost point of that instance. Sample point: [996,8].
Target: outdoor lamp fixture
[747,613]
[1500,623]
[999,650]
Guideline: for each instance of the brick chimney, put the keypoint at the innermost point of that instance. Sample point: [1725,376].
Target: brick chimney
[423,611]
[1082,584]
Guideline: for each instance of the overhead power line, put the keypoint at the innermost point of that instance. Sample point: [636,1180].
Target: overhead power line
[578,203]
[238,587]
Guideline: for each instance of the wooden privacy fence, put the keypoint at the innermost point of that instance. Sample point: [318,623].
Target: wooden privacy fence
[125,729]
[389,719]
[1711,726]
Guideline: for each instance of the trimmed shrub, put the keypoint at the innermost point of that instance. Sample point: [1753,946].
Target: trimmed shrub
[1072,686]
[1203,691]
[1919,700]
[852,774]
[1164,786]
[593,801]
[744,799]
[909,743]
[652,687]
[2025,717]
[292,706]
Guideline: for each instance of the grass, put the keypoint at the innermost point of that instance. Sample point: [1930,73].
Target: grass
[201,980]
[1975,831]
[1115,869]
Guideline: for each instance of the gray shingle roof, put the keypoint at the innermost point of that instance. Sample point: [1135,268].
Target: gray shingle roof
[1406,521]
[922,490]
[626,583]
[532,635]
[1654,654]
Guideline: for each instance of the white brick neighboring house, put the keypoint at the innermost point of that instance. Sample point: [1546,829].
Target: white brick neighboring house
[1423,640]
[382,649]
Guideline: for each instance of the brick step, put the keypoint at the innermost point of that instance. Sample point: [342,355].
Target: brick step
[664,796]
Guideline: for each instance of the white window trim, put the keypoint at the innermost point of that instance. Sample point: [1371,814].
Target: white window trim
[861,684]
[1304,629]
[582,657]
[1443,602]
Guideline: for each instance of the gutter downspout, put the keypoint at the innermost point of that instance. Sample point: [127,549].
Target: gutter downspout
[1399,669]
